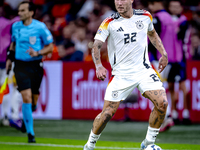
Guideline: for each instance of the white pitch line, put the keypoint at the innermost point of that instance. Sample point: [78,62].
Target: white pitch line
[73,146]
[57,145]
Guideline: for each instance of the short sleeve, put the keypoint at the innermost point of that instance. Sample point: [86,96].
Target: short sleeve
[46,35]
[151,27]
[103,31]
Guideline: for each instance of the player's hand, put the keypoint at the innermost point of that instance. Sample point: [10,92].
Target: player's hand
[32,52]
[8,66]
[163,61]
[101,73]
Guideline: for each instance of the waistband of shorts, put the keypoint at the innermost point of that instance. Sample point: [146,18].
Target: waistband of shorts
[28,62]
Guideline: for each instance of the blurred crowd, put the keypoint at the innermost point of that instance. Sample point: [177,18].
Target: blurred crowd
[73,24]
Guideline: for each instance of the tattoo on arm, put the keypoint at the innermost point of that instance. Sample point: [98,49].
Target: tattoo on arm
[156,41]
[96,51]
[150,33]
[165,56]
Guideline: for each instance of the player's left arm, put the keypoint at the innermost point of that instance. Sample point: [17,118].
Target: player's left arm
[157,43]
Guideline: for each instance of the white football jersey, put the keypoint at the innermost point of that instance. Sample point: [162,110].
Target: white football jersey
[127,41]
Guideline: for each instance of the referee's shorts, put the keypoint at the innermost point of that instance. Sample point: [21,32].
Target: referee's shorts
[28,75]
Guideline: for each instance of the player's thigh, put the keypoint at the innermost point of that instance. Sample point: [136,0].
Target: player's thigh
[151,87]
[119,87]
[150,81]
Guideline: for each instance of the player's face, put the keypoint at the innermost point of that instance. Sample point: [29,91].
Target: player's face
[24,12]
[123,6]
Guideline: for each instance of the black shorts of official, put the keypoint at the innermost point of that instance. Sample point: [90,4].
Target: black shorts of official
[28,75]
[177,72]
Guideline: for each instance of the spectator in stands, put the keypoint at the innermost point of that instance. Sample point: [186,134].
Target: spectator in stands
[181,25]
[76,5]
[139,4]
[106,9]
[196,21]
[81,43]
[195,43]
[13,4]
[47,19]
[88,7]
[81,22]
[67,50]
[94,21]
[39,12]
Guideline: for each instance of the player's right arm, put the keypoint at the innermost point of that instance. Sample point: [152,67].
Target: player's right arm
[100,38]
[157,43]
[96,56]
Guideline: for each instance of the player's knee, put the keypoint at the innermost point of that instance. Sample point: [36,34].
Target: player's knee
[162,106]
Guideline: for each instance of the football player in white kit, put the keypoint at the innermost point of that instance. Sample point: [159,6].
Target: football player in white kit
[126,32]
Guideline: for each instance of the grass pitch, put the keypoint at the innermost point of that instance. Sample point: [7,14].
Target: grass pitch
[73,134]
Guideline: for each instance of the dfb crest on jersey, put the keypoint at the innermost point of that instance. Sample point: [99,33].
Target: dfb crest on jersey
[139,25]
[114,94]
[32,40]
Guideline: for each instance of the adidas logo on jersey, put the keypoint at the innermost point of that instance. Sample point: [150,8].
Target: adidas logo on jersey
[120,29]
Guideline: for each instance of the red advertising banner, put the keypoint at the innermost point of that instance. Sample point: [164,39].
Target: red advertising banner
[193,74]
[83,95]
[70,90]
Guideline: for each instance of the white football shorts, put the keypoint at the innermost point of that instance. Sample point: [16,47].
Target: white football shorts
[120,86]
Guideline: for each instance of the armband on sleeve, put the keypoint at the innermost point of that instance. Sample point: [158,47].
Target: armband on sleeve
[11,55]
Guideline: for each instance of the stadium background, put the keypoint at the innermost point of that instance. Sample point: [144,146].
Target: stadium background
[70,90]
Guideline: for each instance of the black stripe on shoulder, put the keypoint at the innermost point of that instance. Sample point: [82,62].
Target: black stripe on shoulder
[139,11]
[115,15]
